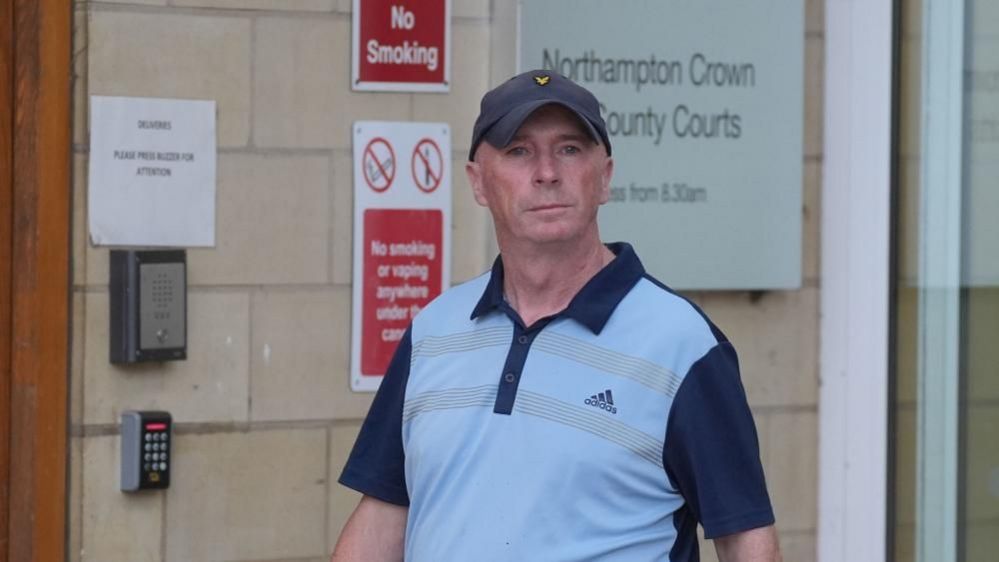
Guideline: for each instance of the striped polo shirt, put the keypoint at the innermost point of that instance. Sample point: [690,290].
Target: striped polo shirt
[606,432]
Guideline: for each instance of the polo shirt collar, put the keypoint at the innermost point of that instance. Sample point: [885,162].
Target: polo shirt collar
[594,303]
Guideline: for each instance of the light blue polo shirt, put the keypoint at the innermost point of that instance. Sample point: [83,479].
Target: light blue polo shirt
[606,432]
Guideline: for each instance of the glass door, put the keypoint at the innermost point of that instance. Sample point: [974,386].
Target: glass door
[945,411]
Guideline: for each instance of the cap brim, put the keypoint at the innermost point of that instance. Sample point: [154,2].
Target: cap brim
[501,133]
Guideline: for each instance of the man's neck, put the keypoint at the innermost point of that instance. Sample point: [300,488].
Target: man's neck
[541,282]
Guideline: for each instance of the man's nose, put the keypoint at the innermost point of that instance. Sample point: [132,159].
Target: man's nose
[546,172]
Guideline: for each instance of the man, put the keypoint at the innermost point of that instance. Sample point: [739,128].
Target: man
[565,406]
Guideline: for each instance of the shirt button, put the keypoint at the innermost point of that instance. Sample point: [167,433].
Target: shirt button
[522,339]
[509,377]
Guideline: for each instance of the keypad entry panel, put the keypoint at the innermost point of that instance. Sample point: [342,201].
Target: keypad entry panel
[146,450]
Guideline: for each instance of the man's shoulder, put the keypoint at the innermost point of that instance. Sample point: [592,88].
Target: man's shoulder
[457,301]
[664,313]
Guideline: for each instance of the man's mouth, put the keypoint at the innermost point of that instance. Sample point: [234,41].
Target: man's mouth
[549,207]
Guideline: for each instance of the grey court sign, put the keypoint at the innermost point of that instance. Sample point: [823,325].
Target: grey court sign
[703,103]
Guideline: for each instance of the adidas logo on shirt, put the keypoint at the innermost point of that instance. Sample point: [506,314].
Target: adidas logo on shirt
[604,401]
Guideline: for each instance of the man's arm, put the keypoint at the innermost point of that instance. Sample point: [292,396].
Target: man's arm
[375,532]
[754,545]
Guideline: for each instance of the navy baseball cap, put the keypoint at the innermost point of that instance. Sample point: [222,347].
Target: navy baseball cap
[505,107]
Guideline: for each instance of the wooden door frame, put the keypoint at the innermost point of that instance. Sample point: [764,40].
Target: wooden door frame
[6,260]
[35,283]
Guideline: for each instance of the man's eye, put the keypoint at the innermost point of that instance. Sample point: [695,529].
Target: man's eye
[517,151]
[571,149]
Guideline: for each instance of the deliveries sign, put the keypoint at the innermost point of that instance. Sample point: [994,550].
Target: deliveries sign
[401,45]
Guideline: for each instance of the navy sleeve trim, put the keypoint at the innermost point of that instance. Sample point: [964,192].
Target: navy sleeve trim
[740,523]
[377,464]
[712,453]
[364,483]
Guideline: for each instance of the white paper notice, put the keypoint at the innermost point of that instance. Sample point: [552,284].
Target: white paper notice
[152,172]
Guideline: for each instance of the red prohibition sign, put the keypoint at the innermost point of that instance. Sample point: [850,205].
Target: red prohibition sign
[427,165]
[378,164]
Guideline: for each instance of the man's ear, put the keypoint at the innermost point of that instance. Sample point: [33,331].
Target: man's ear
[608,172]
[474,172]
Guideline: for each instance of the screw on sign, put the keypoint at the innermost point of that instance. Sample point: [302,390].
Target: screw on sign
[379,164]
[427,165]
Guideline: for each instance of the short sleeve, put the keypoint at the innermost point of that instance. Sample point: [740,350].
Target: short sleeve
[711,453]
[376,466]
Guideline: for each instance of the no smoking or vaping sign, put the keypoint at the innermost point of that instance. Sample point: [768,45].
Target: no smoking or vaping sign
[402,236]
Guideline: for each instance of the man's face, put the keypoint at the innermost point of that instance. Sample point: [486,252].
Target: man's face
[546,185]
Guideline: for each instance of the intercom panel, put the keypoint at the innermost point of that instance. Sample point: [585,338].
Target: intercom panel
[148,305]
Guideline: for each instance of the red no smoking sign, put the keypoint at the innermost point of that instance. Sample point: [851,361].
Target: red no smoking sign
[402,236]
[401,45]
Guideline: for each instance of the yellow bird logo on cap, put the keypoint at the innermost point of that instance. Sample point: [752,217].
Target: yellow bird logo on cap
[542,80]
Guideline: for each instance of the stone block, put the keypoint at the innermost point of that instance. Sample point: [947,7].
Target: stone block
[799,547]
[140,2]
[791,467]
[459,8]
[814,95]
[275,5]
[472,227]
[272,222]
[81,25]
[300,356]
[502,42]
[257,495]
[982,483]
[342,499]
[309,104]
[96,263]
[76,358]
[175,56]
[210,386]
[469,9]
[469,80]
[80,228]
[812,221]
[116,526]
[342,239]
[318,559]
[776,338]
[74,506]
